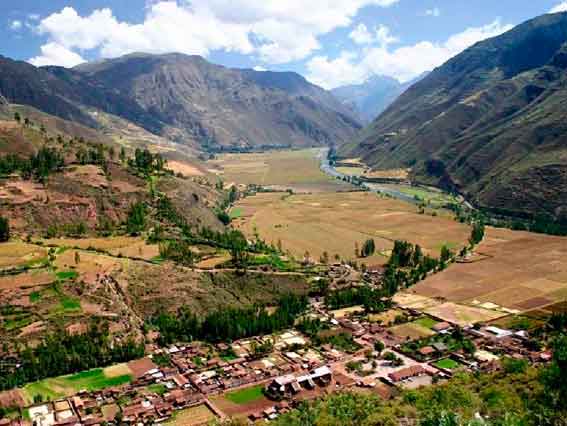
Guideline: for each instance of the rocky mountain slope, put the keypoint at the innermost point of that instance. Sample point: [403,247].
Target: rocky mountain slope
[491,123]
[372,97]
[185,99]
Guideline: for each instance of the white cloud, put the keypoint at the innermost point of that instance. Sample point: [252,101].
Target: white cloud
[274,30]
[33,17]
[16,25]
[53,53]
[435,12]
[380,35]
[361,35]
[561,7]
[259,68]
[403,63]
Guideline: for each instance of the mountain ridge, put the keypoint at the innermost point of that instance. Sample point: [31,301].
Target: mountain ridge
[186,99]
[488,123]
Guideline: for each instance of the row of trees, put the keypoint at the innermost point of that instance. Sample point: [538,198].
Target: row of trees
[146,163]
[373,300]
[38,166]
[63,353]
[228,324]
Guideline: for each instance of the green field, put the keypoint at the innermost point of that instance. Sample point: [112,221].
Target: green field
[447,364]
[67,275]
[235,213]
[245,396]
[92,380]
[426,322]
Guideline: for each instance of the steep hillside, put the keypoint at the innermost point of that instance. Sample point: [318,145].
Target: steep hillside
[216,106]
[184,99]
[372,97]
[491,122]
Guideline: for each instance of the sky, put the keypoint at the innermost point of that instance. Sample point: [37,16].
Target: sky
[330,42]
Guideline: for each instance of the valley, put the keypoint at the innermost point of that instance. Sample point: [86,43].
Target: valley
[191,244]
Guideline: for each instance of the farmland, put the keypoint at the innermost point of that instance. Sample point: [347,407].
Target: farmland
[511,272]
[58,387]
[334,222]
[297,170]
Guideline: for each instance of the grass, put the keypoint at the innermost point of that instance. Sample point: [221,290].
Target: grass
[426,322]
[158,388]
[67,275]
[235,213]
[35,297]
[91,380]
[447,364]
[70,304]
[245,396]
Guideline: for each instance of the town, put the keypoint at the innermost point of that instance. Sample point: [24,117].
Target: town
[260,378]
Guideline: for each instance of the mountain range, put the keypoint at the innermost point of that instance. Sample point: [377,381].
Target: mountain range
[371,98]
[186,100]
[490,123]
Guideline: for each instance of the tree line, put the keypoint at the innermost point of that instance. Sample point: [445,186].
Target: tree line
[37,166]
[227,324]
[62,353]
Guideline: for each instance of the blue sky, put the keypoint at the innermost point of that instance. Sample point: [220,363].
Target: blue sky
[331,42]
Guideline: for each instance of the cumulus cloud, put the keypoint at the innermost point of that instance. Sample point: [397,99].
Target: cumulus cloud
[561,7]
[403,63]
[380,35]
[435,12]
[53,53]
[16,25]
[276,31]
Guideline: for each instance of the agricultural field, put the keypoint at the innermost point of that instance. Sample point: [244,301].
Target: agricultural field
[351,171]
[92,380]
[194,416]
[411,331]
[334,222]
[512,272]
[456,313]
[431,197]
[282,170]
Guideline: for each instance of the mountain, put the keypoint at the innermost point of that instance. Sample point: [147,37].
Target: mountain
[491,123]
[372,97]
[185,99]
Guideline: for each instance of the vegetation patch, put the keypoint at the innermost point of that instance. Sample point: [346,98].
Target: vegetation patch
[91,380]
[247,395]
[447,364]
[67,275]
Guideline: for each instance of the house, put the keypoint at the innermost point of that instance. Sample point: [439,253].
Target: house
[442,326]
[498,332]
[427,350]
[439,347]
[407,373]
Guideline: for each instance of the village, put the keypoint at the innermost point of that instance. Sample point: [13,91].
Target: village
[196,383]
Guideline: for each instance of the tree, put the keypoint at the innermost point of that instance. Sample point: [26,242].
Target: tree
[368,248]
[122,155]
[4,229]
[136,221]
[325,258]
[17,117]
[554,377]
[446,255]
[77,258]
